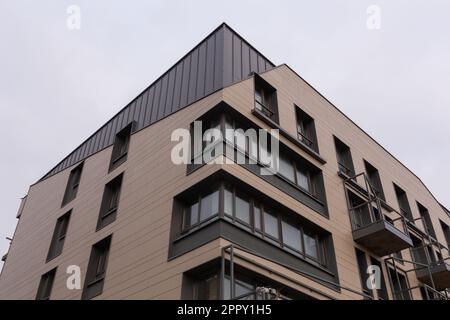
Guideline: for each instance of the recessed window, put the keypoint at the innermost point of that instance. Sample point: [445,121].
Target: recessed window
[266,99]
[59,236]
[204,284]
[202,209]
[311,245]
[362,268]
[403,202]
[46,285]
[400,285]
[344,158]
[96,271]
[242,208]
[291,235]
[110,202]
[426,220]
[306,130]
[72,184]
[271,224]
[374,178]
[120,148]
[446,231]
[382,291]
[209,205]
[251,214]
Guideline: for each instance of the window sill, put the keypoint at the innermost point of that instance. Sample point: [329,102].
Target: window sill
[313,153]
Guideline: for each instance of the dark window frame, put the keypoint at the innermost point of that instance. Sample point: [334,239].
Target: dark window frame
[73,184]
[426,220]
[59,236]
[268,109]
[119,153]
[306,129]
[348,167]
[254,202]
[94,280]
[112,190]
[403,202]
[374,177]
[446,231]
[46,285]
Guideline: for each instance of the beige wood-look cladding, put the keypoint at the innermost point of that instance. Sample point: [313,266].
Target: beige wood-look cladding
[138,266]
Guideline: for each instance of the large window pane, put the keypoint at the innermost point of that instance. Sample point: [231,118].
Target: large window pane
[302,179]
[228,202]
[209,205]
[311,245]
[242,209]
[257,211]
[286,168]
[191,215]
[291,235]
[271,224]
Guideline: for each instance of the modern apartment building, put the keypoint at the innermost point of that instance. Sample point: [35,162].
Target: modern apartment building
[340,208]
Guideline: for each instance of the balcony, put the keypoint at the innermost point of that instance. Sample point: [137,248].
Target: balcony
[373,228]
[439,272]
[381,237]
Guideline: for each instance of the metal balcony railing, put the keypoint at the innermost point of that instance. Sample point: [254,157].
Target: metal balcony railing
[264,109]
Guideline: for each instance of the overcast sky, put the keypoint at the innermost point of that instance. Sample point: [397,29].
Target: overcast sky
[57,86]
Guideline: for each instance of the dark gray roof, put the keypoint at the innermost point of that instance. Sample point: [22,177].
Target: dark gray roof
[221,59]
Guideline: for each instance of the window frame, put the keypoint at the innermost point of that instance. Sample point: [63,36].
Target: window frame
[58,238]
[121,139]
[73,184]
[111,190]
[46,284]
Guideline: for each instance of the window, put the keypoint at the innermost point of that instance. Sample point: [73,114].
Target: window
[209,205]
[201,210]
[403,202]
[303,179]
[46,285]
[110,202]
[120,148]
[207,289]
[249,213]
[72,185]
[242,208]
[374,179]
[344,158]
[243,145]
[426,220]
[382,292]
[266,99]
[362,267]
[446,231]
[399,285]
[298,173]
[271,224]
[59,236]
[286,168]
[203,283]
[292,237]
[96,271]
[306,131]
[311,245]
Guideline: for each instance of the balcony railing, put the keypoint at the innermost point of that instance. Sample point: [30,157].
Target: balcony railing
[371,227]
[264,109]
[305,140]
[345,170]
